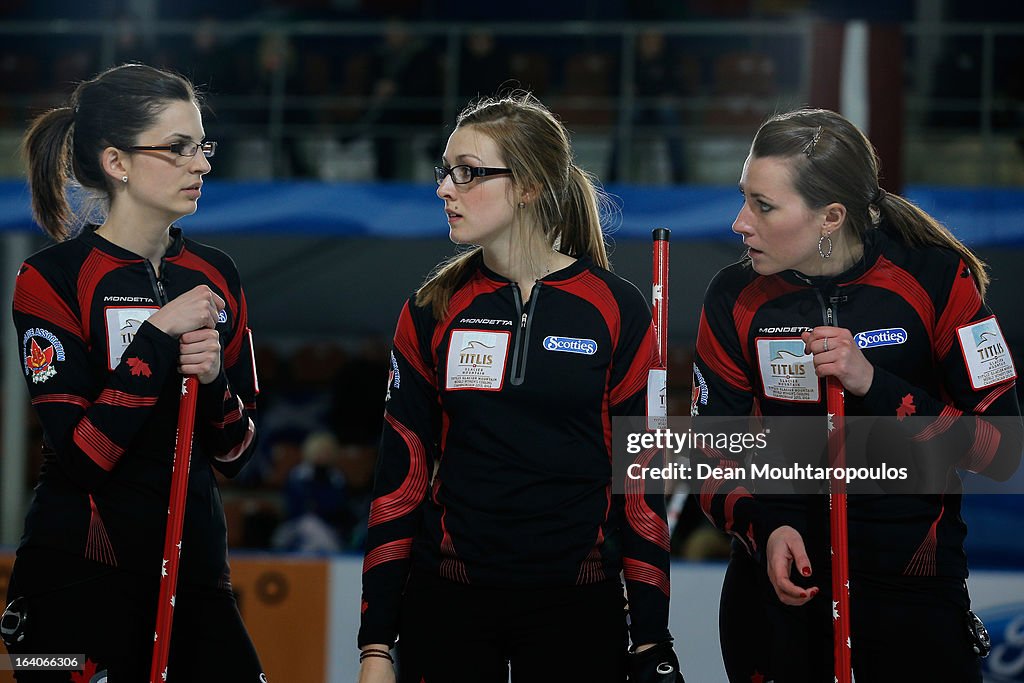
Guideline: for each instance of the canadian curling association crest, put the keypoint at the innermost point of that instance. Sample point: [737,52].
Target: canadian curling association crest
[41,350]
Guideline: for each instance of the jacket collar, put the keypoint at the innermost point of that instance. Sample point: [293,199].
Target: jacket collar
[89,236]
[581,264]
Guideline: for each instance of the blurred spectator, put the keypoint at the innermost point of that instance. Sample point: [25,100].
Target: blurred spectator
[222,68]
[589,87]
[357,463]
[222,64]
[315,499]
[405,92]
[357,418]
[483,67]
[132,45]
[277,63]
[291,406]
[658,83]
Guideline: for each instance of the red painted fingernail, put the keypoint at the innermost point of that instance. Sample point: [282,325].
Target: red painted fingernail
[806,571]
[803,595]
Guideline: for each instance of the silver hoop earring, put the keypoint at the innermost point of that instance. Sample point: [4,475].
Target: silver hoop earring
[124,179]
[825,253]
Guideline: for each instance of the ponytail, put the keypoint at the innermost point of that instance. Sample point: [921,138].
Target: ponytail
[46,149]
[916,228]
[833,161]
[580,233]
[110,110]
[437,291]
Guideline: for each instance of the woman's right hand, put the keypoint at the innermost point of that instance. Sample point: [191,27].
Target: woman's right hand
[784,549]
[376,670]
[193,310]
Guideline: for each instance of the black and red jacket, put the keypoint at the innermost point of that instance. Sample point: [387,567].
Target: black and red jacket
[916,314]
[105,385]
[495,466]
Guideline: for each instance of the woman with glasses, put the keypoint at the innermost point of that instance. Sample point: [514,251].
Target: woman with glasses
[495,540]
[108,319]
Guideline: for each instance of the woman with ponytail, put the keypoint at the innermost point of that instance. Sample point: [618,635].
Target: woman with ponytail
[495,541]
[845,281]
[109,318]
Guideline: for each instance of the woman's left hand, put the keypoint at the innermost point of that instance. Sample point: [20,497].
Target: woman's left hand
[837,355]
[200,354]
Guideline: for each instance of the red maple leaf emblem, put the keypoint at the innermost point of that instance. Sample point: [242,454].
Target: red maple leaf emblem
[39,358]
[88,671]
[363,606]
[906,408]
[139,367]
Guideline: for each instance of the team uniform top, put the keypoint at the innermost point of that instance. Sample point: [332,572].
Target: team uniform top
[105,385]
[495,465]
[937,353]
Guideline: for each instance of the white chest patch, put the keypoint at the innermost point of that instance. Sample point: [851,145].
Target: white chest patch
[787,373]
[122,324]
[657,398]
[476,360]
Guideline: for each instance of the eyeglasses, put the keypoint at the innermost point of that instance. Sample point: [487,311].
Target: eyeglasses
[463,174]
[183,149]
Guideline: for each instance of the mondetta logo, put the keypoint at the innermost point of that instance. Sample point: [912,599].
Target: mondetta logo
[587,347]
[867,340]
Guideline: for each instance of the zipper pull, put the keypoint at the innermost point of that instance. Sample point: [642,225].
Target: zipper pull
[160,288]
[523,325]
[828,317]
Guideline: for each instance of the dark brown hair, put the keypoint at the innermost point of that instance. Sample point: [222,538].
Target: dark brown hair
[833,161]
[110,110]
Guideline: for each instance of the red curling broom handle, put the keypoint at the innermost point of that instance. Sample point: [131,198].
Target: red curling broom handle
[659,292]
[659,306]
[840,540]
[175,521]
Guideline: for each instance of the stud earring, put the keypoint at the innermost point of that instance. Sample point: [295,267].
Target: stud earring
[124,179]
[522,205]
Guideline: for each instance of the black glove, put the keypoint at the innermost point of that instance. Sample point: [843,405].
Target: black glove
[656,664]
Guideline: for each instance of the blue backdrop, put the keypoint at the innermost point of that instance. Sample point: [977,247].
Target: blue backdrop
[979,217]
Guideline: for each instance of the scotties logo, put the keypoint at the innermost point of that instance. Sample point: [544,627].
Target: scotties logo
[588,347]
[868,340]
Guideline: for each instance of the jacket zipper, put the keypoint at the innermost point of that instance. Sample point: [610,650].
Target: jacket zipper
[830,310]
[156,282]
[522,341]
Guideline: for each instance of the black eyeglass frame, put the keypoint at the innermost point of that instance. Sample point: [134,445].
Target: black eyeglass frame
[440,173]
[209,148]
